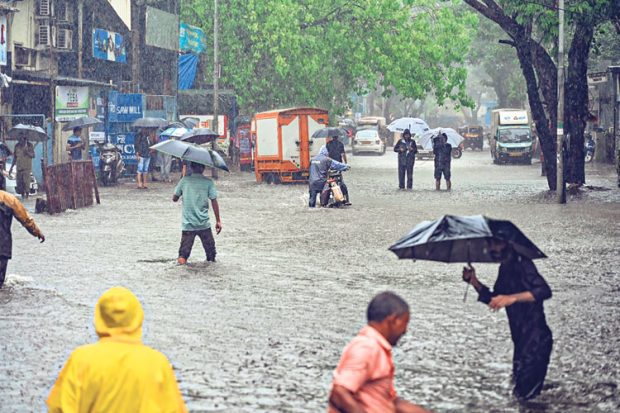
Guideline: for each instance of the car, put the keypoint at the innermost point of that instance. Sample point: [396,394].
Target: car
[368,141]
[11,182]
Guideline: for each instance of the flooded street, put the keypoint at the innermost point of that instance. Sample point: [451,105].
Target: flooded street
[262,329]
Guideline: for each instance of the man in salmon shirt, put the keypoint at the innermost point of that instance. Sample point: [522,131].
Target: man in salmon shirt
[364,379]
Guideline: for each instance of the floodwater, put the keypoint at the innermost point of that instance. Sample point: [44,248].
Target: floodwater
[262,329]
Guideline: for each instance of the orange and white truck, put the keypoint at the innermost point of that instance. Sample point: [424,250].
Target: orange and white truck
[283,143]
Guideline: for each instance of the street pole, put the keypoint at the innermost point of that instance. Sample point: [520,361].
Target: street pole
[215,82]
[561,184]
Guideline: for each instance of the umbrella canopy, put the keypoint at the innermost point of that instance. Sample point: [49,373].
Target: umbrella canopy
[32,133]
[192,153]
[83,122]
[462,239]
[416,126]
[152,123]
[426,141]
[328,133]
[174,132]
[199,136]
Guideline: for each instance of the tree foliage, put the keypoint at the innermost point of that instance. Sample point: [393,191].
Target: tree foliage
[278,53]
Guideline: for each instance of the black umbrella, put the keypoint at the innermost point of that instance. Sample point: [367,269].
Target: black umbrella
[32,133]
[199,136]
[328,133]
[82,122]
[150,123]
[462,239]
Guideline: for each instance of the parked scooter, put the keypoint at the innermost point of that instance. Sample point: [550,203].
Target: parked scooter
[333,196]
[111,164]
[589,147]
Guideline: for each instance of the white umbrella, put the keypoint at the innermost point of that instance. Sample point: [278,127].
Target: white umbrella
[416,126]
[426,141]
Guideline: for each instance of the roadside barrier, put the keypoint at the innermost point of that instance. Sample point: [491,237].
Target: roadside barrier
[70,186]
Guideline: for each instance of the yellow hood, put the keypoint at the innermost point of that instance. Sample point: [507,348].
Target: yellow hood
[119,314]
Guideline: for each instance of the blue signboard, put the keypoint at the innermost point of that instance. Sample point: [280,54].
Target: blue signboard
[192,39]
[109,46]
[124,107]
[124,142]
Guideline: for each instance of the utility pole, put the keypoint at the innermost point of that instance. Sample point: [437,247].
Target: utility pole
[561,184]
[80,38]
[215,82]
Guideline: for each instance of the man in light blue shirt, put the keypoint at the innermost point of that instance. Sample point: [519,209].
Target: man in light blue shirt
[197,190]
[75,145]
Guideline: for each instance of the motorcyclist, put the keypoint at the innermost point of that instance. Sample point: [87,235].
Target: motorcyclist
[406,149]
[319,171]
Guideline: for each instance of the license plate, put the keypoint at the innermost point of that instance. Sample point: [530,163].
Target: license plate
[516,154]
[365,143]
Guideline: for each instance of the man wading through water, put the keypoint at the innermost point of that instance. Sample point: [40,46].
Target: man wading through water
[11,207]
[406,149]
[197,190]
[522,291]
[364,379]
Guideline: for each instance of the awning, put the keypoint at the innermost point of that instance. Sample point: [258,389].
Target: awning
[42,79]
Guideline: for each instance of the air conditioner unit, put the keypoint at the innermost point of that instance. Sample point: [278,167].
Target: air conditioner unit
[45,8]
[64,39]
[64,13]
[44,35]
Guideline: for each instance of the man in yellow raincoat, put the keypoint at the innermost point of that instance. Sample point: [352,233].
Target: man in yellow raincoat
[117,374]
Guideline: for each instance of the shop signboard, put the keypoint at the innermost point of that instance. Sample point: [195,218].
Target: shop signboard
[71,103]
[162,29]
[124,107]
[109,46]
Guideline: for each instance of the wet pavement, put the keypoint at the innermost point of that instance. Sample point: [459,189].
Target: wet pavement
[262,329]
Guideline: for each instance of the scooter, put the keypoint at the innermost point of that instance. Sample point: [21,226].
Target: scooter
[111,164]
[589,148]
[333,197]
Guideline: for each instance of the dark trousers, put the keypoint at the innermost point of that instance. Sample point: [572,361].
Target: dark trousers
[529,366]
[405,169]
[3,264]
[313,194]
[187,243]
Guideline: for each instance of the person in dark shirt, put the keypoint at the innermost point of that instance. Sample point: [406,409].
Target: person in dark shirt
[443,158]
[319,171]
[521,290]
[336,150]
[406,149]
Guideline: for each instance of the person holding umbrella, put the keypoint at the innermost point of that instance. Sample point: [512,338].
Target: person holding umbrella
[443,158]
[22,157]
[143,154]
[519,287]
[406,149]
[521,290]
[75,145]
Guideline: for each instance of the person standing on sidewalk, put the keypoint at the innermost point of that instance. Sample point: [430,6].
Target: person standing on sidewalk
[407,150]
[75,145]
[22,157]
[118,373]
[364,379]
[521,290]
[11,207]
[197,190]
[143,155]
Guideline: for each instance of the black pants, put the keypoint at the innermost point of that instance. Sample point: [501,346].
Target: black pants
[3,264]
[529,365]
[187,243]
[405,169]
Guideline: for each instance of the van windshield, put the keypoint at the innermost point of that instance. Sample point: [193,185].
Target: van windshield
[514,135]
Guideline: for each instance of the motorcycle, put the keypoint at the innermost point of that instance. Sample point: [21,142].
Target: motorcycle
[111,164]
[589,148]
[333,196]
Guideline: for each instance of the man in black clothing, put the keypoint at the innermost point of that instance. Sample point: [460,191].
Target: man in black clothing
[443,158]
[521,289]
[406,149]
[336,150]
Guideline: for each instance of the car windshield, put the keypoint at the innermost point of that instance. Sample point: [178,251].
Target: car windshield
[366,134]
[514,135]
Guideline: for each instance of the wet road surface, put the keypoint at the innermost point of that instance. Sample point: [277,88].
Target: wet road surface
[262,329]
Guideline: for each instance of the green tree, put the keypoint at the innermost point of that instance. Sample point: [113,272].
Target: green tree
[316,52]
